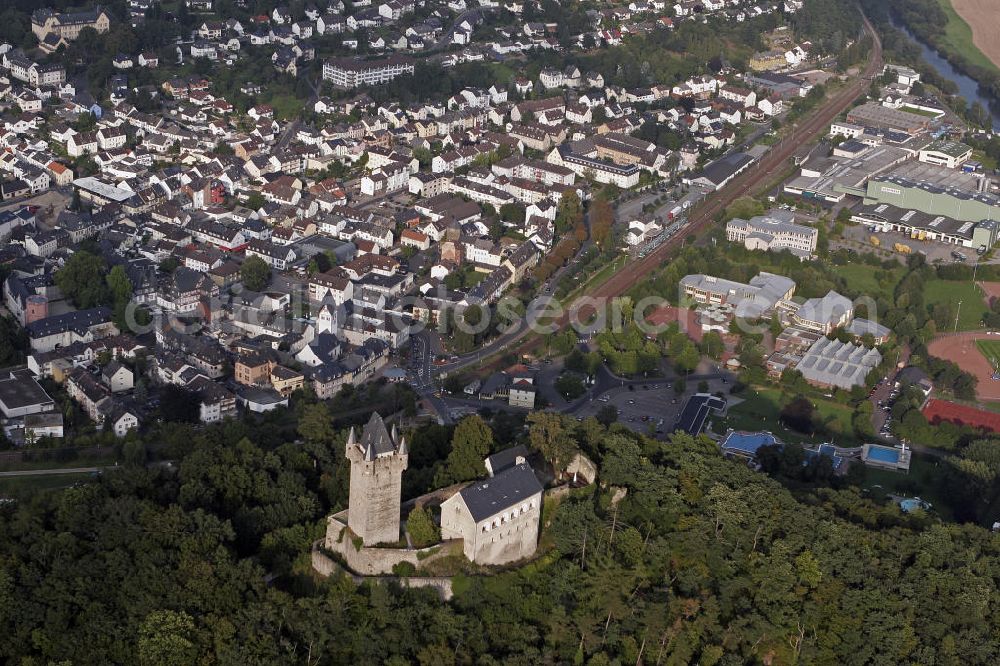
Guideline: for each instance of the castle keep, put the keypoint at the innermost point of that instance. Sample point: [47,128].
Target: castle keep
[377,459]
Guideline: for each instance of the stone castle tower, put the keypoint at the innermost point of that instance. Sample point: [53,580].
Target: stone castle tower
[378,459]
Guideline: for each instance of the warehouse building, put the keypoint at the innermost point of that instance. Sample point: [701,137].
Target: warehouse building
[936,190]
[876,115]
[718,174]
[21,395]
[830,179]
[949,154]
[980,235]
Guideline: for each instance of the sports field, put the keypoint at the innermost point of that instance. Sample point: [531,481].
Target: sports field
[991,350]
[963,349]
[970,295]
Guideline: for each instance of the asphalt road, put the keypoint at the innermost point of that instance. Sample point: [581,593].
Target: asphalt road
[420,361]
[288,133]
[52,472]
[749,182]
[702,215]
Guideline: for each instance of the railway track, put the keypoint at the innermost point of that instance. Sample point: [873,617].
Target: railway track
[702,216]
[749,181]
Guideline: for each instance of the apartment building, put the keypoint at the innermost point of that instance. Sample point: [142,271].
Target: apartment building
[67,25]
[350,73]
[773,232]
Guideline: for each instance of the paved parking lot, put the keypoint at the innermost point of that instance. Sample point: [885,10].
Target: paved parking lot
[672,196]
[50,204]
[659,405]
[858,238]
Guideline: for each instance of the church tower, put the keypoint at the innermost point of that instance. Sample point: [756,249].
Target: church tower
[328,318]
[378,459]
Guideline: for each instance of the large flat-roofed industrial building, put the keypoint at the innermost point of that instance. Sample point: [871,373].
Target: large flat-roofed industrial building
[876,115]
[950,154]
[830,179]
[21,395]
[937,191]
[926,226]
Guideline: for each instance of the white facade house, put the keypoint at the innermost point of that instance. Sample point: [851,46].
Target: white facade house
[349,73]
[773,232]
[497,518]
[276,256]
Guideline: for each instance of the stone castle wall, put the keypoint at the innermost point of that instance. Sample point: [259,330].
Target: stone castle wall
[368,561]
[325,566]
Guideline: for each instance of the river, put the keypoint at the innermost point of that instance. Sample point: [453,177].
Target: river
[967,87]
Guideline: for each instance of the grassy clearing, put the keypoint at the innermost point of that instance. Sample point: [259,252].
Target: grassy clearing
[920,112]
[920,482]
[472,278]
[762,408]
[989,163]
[991,350]
[101,459]
[958,38]
[21,485]
[286,106]
[861,279]
[969,294]
[597,279]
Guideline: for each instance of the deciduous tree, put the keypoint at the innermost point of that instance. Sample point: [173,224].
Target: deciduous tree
[470,444]
[255,273]
[82,280]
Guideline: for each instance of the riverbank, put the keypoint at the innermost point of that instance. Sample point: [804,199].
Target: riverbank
[970,82]
[973,26]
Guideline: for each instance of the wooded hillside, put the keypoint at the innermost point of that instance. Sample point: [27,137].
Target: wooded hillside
[702,562]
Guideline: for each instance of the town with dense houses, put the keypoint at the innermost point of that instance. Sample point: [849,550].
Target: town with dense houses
[346,217]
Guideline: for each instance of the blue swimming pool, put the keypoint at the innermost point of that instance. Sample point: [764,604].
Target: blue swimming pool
[747,443]
[883,454]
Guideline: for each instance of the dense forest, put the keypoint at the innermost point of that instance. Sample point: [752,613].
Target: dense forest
[703,561]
